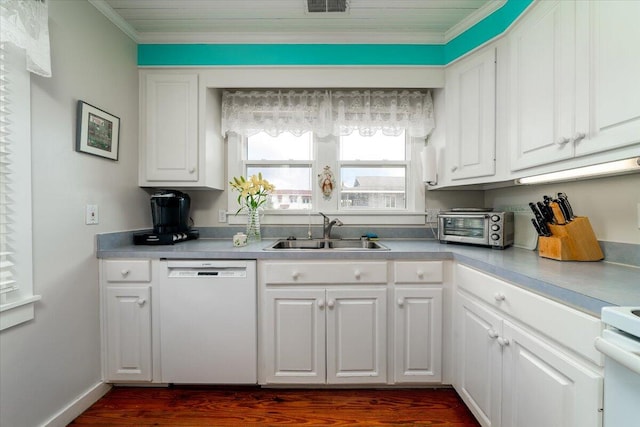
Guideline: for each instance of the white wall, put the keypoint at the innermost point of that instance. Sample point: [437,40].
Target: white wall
[48,363]
[610,203]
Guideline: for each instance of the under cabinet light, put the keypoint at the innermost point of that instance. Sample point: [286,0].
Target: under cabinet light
[603,169]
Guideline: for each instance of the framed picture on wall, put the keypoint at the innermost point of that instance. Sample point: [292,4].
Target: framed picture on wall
[97,132]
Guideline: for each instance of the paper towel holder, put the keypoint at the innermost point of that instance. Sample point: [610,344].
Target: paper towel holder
[429,168]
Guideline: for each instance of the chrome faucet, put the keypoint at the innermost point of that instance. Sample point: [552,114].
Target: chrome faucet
[328,225]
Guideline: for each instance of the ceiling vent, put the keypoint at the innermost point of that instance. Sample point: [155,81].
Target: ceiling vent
[321,6]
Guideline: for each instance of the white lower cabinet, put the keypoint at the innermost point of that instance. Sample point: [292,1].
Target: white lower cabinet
[544,387]
[418,335]
[128,333]
[318,336]
[510,374]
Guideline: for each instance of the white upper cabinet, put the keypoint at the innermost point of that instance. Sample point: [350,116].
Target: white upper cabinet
[615,97]
[180,139]
[547,99]
[574,90]
[471,116]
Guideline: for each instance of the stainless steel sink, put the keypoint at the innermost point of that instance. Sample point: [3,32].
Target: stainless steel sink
[324,245]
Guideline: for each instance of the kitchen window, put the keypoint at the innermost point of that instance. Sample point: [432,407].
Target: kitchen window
[24,38]
[286,162]
[362,144]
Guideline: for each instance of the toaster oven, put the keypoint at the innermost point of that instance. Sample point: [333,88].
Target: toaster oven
[480,227]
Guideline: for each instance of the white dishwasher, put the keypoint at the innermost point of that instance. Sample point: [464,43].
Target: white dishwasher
[208,322]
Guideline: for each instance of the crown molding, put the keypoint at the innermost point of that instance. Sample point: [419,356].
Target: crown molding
[292,38]
[116,19]
[471,20]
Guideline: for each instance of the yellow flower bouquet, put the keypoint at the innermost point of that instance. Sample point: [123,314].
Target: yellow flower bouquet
[253,191]
[253,194]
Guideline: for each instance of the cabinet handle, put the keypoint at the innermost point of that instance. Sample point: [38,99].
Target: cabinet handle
[125,273]
[356,274]
[321,304]
[141,301]
[503,341]
[192,170]
[331,303]
[492,334]
[563,140]
[401,302]
[454,168]
[579,136]
[295,275]
[499,296]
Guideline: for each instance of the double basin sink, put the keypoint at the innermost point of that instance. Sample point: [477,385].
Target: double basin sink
[327,245]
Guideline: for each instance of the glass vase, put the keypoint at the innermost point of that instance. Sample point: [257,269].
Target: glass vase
[253,226]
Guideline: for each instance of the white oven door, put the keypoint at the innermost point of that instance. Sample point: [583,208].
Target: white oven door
[621,378]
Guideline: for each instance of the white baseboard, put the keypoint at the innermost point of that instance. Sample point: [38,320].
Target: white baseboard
[78,406]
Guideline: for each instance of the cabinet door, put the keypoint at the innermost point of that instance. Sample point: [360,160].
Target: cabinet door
[543,387]
[479,360]
[128,333]
[615,105]
[544,85]
[356,336]
[294,336]
[171,125]
[418,335]
[471,116]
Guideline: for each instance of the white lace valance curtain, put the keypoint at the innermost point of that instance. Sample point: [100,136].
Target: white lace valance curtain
[25,23]
[326,112]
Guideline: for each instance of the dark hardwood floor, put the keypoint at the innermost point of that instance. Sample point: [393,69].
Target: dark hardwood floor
[253,406]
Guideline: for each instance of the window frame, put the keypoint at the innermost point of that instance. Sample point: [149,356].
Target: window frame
[17,306]
[406,164]
[325,153]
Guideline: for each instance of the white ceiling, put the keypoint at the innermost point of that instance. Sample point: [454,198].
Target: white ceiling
[287,21]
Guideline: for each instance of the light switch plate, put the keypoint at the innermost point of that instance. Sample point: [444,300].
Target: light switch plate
[222,215]
[91,215]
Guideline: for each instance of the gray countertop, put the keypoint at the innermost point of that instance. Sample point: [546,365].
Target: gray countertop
[587,286]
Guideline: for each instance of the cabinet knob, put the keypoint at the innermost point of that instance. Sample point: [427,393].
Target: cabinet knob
[492,334]
[579,136]
[562,140]
[420,274]
[454,168]
[141,301]
[192,170]
[295,275]
[499,296]
[503,341]
[125,272]
[331,303]
[357,274]
[321,304]
[401,302]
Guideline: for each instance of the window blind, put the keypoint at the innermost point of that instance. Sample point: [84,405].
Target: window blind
[7,273]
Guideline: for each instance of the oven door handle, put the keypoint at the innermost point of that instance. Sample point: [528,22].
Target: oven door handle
[626,358]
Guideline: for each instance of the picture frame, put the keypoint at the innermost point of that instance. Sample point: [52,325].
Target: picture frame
[97,132]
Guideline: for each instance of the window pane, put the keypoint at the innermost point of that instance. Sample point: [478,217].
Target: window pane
[293,185]
[282,147]
[376,147]
[373,188]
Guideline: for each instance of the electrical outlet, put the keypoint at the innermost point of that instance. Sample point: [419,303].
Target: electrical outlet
[432,215]
[91,214]
[222,215]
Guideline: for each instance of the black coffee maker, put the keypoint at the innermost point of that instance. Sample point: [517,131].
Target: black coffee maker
[171,221]
[170,211]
